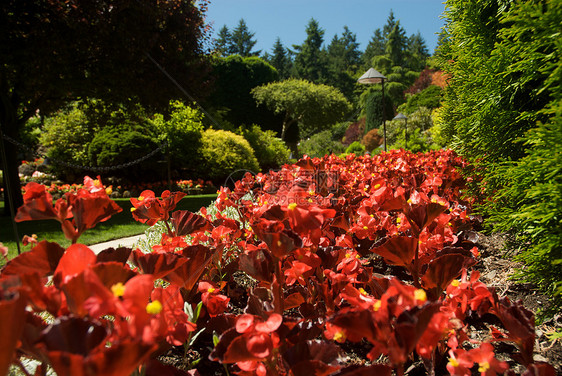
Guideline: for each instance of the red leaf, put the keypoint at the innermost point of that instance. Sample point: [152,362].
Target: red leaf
[42,259]
[398,250]
[257,264]
[187,274]
[442,270]
[186,222]
[158,264]
[120,255]
[294,300]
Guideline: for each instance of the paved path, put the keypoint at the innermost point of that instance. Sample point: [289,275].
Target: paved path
[123,242]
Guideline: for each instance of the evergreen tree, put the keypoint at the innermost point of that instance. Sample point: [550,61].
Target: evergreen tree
[343,62]
[390,24]
[374,48]
[417,52]
[310,61]
[280,59]
[242,42]
[223,43]
[396,43]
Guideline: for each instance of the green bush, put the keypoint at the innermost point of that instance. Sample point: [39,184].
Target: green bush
[66,136]
[125,143]
[356,147]
[320,144]
[182,130]
[428,98]
[504,62]
[270,151]
[225,153]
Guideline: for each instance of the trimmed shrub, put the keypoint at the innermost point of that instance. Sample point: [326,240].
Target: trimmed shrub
[224,153]
[122,144]
[356,148]
[372,139]
[270,151]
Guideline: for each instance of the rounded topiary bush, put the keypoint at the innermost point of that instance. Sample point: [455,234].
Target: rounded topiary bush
[356,147]
[224,153]
[114,146]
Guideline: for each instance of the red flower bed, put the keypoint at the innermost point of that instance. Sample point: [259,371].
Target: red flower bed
[324,255]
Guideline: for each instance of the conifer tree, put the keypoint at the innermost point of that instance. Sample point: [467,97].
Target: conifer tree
[223,43]
[280,59]
[242,40]
[310,61]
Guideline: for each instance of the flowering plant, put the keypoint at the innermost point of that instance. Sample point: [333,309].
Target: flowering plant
[322,255]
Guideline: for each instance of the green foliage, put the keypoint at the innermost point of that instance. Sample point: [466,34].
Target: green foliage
[270,151]
[418,129]
[356,147]
[428,98]
[235,77]
[242,40]
[371,102]
[320,144]
[225,153]
[311,62]
[502,110]
[313,107]
[182,131]
[531,203]
[64,135]
[124,143]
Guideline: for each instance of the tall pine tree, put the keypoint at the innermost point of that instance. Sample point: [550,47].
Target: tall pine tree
[280,59]
[223,43]
[242,40]
[310,61]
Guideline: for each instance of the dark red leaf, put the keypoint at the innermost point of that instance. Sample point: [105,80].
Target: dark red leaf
[120,254]
[257,264]
[294,300]
[73,335]
[158,264]
[186,275]
[442,270]
[186,222]
[398,250]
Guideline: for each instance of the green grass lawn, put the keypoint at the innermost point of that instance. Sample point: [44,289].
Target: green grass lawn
[118,226]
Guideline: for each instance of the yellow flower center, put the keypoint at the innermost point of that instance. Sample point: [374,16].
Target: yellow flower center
[453,362]
[211,290]
[133,209]
[483,367]
[108,190]
[420,294]
[339,336]
[377,305]
[118,289]
[292,206]
[398,220]
[455,283]
[377,186]
[362,291]
[97,183]
[154,307]
[141,198]
[365,228]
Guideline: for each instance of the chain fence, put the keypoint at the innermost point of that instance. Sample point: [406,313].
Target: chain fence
[82,167]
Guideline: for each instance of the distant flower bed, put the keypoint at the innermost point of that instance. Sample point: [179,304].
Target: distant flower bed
[190,187]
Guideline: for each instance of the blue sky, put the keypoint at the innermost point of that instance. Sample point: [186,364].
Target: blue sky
[288,19]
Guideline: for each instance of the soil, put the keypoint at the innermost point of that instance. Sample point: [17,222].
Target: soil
[496,266]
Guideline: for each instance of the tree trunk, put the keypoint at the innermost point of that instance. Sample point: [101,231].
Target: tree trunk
[11,180]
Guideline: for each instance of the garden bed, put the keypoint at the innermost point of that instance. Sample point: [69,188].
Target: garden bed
[368,265]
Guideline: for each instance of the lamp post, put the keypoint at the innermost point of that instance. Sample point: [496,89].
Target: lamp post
[373,76]
[402,116]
